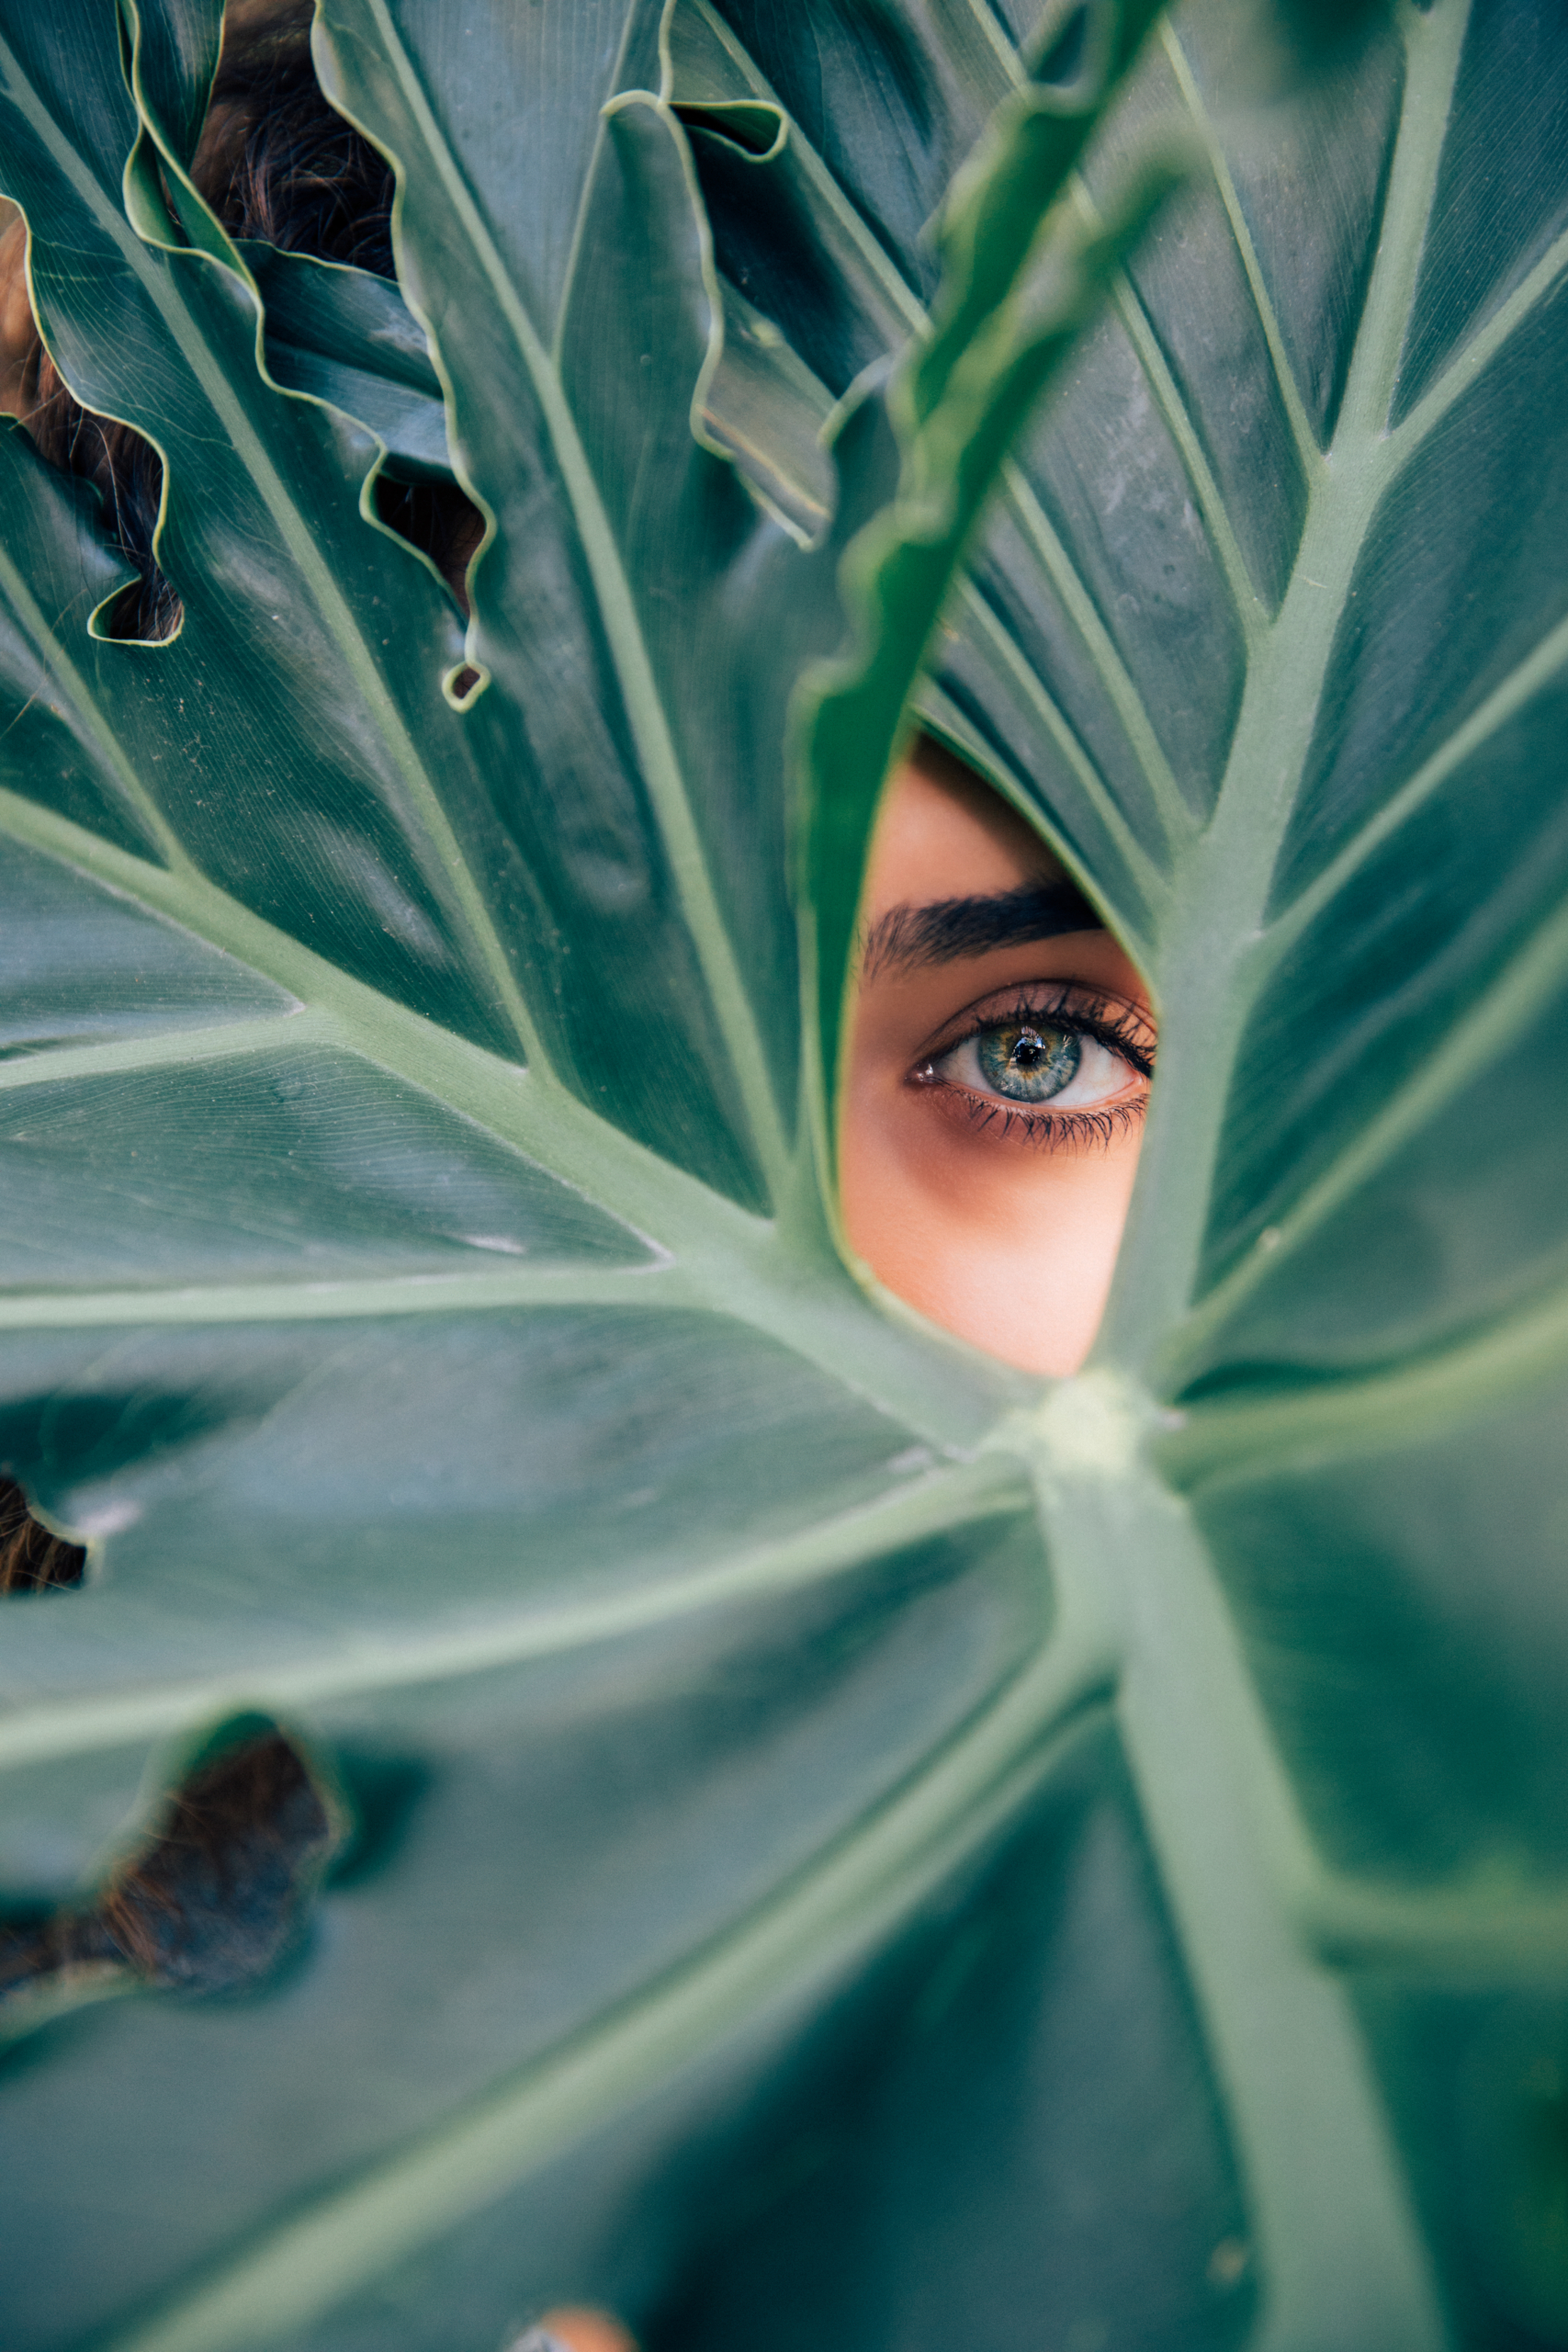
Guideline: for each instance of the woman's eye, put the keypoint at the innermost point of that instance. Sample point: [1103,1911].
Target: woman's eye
[1034,1063]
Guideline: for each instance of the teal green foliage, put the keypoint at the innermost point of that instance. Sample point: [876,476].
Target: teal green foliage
[852,1848]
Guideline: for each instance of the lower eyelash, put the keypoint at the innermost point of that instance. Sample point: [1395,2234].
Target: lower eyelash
[1049,1128]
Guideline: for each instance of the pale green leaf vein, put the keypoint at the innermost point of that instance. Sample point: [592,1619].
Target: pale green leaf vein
[738,1265]
[1495,1925]
[899,302]
[996,37]
[1308,451]
[644,705]
[1434,40]
[496,1286]
[1404,1406]
[585,205]
[1113,674]
[48,645]
[1484,346]
[296,532]
[1338,2243]
[161,1050]
[547,1124]
[1540,667]
[1150,878]
[1466,1055]
[1244,596]
[323,1671]
[840,1905]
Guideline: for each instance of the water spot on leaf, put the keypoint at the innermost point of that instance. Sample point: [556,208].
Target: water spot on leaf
[1227,2264]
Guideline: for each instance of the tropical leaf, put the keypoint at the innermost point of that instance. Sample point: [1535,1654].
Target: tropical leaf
[849,1845]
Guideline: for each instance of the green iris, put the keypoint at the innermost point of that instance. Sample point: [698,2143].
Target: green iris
[1030,1065]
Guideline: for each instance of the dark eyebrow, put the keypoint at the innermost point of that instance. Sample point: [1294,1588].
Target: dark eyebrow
[950,928]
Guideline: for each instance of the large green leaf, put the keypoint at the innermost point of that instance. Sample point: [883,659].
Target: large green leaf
[853,1847]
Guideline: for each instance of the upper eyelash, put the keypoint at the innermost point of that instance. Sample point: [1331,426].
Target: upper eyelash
[1085,1020]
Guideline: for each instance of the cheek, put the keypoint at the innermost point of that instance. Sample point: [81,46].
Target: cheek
[1009,1244]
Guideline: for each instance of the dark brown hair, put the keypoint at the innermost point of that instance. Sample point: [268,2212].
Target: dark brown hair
[31,1559]
[213,1896]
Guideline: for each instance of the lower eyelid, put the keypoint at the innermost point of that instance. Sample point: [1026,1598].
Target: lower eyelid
[1002,1122]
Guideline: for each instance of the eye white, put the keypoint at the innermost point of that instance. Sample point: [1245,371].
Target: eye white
[1098,1076]
[1101,1074]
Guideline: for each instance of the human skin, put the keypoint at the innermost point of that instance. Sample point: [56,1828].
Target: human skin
[585,2331]
[998,1215]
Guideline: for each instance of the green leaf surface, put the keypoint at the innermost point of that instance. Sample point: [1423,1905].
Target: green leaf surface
[349,339]
[852,1845]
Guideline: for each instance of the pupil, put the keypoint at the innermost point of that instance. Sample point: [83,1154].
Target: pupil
[1029,1065]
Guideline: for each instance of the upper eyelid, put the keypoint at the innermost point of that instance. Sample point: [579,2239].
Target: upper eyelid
[1095,1013]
